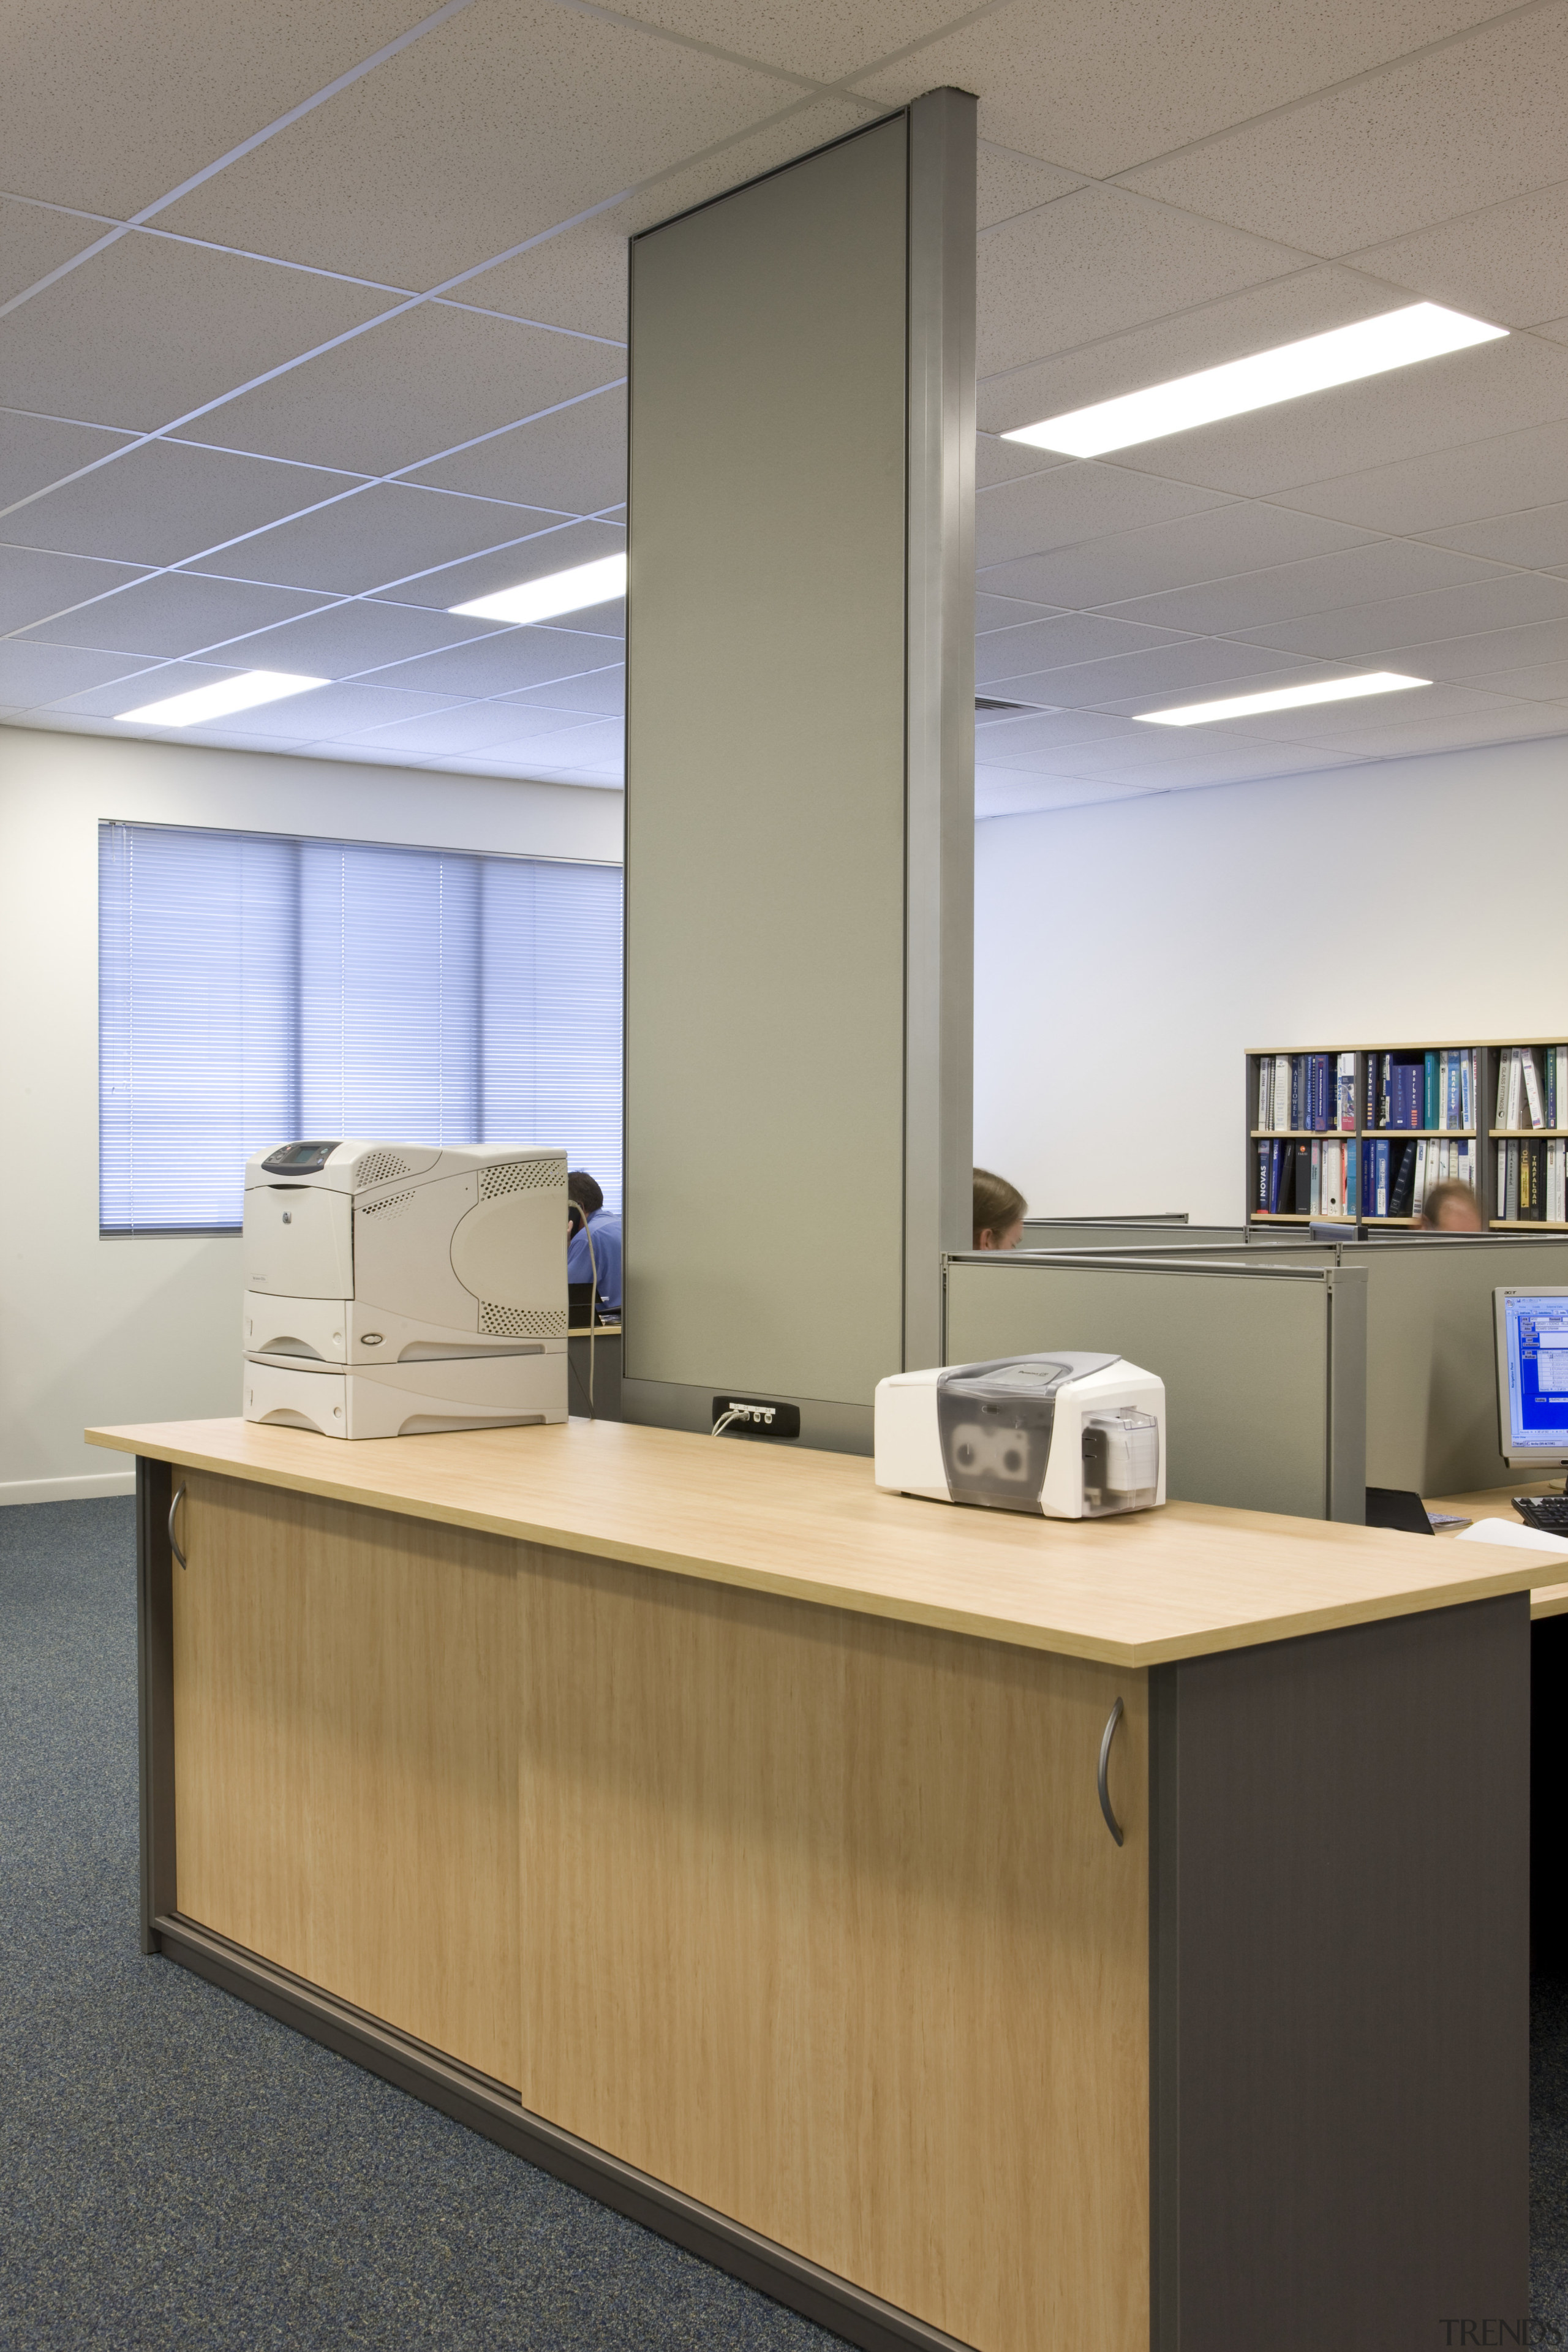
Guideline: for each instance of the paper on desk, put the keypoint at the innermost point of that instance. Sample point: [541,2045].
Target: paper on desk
[1509,1531]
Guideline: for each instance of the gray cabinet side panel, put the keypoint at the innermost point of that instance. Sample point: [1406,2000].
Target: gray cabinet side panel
[1245,1361]
[1349,1931]
[766,783]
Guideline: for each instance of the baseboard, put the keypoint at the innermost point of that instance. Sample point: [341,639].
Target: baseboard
[90,1489]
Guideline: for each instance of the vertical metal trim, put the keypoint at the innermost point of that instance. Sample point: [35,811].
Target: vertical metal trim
[939,880]
[154,1694]
[1165,2011]
[1347,1297]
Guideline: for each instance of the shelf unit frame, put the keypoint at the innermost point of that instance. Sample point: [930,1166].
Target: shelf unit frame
[1486,1135]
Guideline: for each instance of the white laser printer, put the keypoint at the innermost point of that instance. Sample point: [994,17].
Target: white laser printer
[1064,1435]
[393,1289]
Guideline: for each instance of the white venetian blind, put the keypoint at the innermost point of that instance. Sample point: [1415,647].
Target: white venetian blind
[254,990]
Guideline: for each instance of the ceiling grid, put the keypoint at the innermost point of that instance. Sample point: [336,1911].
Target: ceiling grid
[313,326]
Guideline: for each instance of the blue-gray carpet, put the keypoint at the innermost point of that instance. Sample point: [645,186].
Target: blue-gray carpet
[177,2170]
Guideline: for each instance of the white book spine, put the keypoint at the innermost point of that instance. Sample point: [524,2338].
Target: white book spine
[1502,1178]
[1282,1090]
[1419,1194]
[1532,1077]
[1515,1088]
[1444,1061]
[1265,1089]
[1316,1193]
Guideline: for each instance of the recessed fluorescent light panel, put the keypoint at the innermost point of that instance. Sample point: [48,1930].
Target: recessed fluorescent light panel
[561,592]
[215,701]
[1281,698]
[1344,355]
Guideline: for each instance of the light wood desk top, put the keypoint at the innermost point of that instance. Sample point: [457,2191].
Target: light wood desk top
[1179,1582]
[1497,1503]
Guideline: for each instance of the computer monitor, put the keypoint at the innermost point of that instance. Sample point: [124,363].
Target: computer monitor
[1532,1377]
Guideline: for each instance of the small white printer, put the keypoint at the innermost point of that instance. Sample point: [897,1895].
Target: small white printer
[1064,1435]
[393,1289]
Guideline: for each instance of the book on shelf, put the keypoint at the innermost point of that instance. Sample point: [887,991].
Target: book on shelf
[1398,1174]
[1315,1178]
[1306,1093]
[1533,1180]
[1432,1089]
[1533,1086]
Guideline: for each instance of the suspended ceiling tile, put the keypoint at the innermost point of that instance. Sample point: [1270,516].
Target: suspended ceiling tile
[34,674]
[597,693]
[109,108]
[375,537]
[330,711]
[1098,262]
[150,330]
[816,37]
[1165,675]
[467,727]
[352,406]
[1483,658]
[507,662]
[169,501]
[1468,482]
[37,450]
[1496,387]
[34,240]
[178,614]
[502,123]
[1252,600]
[1097,87]
[33,585]
[1075,502]
[1543,682]
[1010,183]
[1358,631]
[1404,738]
[1508,264]
[1281,309]
[1468,125]
[1067,638]
[359,637]
[1022,740]
[1009,612]
[578,278]
[575,459]
[545,552]
[997,461]
[1241,537]
[999,792]
[1537,538]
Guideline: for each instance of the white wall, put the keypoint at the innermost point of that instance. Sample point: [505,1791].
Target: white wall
[146,1327]
[1127,956]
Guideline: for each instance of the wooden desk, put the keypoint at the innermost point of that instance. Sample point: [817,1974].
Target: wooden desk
[724,1836]
[1497,1503]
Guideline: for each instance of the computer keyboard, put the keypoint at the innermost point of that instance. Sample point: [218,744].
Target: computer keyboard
[1547,1514]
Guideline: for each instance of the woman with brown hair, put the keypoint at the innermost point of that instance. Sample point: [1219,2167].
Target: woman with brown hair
[999,1211]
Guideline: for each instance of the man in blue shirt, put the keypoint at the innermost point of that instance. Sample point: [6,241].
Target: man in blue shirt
[594,1222]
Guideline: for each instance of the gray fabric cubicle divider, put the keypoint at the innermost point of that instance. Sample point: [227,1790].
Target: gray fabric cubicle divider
[800,805]
[1113,1233]
[1431,1364]
[1264,1366]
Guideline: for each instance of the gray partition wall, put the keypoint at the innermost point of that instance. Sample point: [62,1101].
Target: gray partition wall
[1115,1233]
[800,778]
[1264,1367]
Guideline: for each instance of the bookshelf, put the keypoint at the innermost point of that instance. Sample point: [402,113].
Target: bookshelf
[1478,1124]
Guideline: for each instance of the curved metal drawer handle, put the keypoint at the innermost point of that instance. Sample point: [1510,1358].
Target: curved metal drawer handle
[1111,1823]
[179,1555]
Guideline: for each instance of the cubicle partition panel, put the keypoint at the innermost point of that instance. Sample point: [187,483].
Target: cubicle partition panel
[1264,1368]
[800,802]
[1112,1232]
[1431,1358]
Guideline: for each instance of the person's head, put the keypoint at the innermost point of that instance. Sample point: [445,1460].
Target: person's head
[1451,1208]
[999,1211]
[584,1198]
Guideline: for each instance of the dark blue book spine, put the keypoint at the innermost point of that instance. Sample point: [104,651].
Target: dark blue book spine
[1276,1152]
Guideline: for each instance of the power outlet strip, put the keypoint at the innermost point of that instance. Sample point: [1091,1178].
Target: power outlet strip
[754,1417]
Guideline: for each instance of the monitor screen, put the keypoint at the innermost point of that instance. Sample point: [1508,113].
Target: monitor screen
[1532,1371]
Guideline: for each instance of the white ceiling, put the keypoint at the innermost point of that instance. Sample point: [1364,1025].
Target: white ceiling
[311,326]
